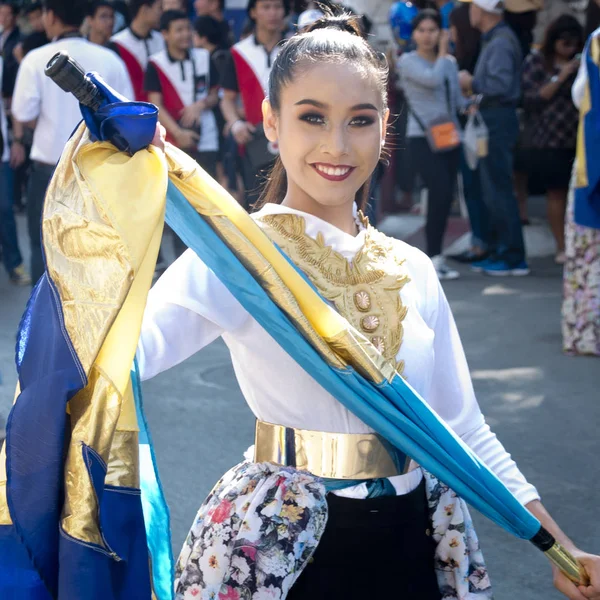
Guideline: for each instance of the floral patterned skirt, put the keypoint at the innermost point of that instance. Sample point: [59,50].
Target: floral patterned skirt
[581,287]
[262,523]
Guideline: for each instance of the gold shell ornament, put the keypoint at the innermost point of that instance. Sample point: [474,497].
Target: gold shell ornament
[362,301]
[370,323]
[379,343]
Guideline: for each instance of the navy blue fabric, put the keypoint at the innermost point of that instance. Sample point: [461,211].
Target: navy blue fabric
[49,375]
[90,572]
[129,126]
[18,579]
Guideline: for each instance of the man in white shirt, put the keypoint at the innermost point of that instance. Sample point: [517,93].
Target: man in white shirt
[140,41]
[245,78]
[39,102]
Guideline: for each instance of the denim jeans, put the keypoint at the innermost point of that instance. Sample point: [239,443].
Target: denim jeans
[11,254]
[479,217]
[36,192]
[497,184]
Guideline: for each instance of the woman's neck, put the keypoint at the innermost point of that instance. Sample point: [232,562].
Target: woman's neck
[430,55]
[341,216]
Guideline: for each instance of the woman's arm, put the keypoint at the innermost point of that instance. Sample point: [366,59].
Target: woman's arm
[452,396]
[187,309]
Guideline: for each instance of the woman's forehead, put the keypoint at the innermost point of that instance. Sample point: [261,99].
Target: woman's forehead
[337,84]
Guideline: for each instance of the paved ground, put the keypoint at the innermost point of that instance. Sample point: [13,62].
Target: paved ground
[544,406]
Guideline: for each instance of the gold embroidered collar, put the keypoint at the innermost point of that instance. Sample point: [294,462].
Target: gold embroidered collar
[365,290]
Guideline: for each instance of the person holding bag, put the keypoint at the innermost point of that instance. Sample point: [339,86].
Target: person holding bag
[429,80]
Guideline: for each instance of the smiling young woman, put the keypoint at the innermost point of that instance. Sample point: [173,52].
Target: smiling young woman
[325,508]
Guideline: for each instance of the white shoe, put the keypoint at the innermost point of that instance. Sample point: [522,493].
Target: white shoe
[442,269]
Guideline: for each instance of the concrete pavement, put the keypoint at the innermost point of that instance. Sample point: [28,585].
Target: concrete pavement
[543,405]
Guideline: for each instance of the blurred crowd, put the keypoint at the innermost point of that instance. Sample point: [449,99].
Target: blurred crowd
[481,91]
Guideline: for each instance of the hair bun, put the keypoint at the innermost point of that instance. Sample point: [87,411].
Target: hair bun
[342,22]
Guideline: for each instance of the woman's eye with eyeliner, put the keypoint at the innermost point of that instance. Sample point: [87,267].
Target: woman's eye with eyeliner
[362,121]
[313,119]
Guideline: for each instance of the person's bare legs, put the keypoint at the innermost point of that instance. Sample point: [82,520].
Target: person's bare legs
[557,205]
[522,193]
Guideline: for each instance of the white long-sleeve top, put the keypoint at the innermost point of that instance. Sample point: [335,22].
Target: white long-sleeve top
[189,307]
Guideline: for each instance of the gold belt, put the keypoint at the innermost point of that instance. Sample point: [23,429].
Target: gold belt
[328,455]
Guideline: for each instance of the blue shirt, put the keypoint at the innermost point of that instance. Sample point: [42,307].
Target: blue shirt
[498,70]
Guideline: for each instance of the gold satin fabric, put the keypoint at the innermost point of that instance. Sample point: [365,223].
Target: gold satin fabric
[325,454]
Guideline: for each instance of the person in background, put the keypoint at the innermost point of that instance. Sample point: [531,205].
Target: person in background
[138,42]
[548,76]
[101,21]
[246,78]
[581,277]
[11,36]
[521,15]
[465,38]
[37,37]
[183,83]
[429,80]
[467,45]
[9,242]
[497,84]
[215,9]
[39,102]
[208,34]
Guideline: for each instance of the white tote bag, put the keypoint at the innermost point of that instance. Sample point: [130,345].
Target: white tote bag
[476,140]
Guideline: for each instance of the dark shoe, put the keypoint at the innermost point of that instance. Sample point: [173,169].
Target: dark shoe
[468,256]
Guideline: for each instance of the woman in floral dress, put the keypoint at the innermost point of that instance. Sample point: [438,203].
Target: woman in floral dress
[581,305]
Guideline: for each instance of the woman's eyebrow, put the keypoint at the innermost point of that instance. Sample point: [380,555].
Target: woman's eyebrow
[312,103]
[322,105]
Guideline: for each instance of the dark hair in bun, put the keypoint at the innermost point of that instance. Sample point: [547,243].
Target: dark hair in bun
[333,38]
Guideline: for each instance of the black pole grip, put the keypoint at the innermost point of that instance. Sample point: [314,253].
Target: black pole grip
[70,77]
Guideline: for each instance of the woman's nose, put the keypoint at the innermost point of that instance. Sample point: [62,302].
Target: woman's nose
[337,141]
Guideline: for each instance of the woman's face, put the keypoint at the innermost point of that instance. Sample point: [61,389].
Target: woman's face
[426,35]
[330,131]
[567,46]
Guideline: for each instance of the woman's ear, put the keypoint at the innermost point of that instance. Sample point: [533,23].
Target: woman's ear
[269,121]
